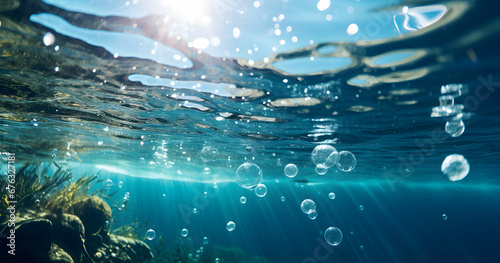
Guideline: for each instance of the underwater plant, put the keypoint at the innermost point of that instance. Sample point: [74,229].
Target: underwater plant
[57,220]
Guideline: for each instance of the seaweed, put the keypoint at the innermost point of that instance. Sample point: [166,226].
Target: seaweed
[31,183]
[40,190]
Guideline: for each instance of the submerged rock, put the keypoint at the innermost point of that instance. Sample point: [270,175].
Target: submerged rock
[93,212]
[34,236]
[67,232]
[33,240]
[115,248]
[58,255]
[64,228]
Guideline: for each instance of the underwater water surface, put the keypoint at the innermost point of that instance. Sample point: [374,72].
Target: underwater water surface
[259,131]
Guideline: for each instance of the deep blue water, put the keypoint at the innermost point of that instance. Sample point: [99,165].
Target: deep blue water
[405,225]
[134,91]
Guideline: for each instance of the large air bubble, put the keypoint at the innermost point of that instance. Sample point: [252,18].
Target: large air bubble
[248,175]
[260,190]
[456,167]
[308,206]
[333,236]
[346,161]
[230,226]
[150,234]
[324,156]
[291,170]
[209,154]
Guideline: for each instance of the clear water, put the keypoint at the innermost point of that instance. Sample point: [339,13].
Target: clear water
[135,90]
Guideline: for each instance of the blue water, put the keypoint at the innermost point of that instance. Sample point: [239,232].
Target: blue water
[134,90]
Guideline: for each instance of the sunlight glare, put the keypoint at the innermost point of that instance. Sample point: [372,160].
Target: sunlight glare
[188,10]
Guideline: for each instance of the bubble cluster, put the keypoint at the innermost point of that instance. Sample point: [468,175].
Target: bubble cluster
[308,206]
[333,236]
[248,175]
[230,226]
[456,167]
[261,190]
[324,156]
[205,240]
[209,154]
[150,234]
[291,170]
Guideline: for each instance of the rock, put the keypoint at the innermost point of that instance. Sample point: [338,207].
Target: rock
[118,249]
[135,249]
[32,242]
[67,233]
[93,212]
[57,255]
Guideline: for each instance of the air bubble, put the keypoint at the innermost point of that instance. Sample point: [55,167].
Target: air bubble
[209,154]
[49,39]
[109,183]
[455,127]
[261,190]
[456,167]
[248,175]
[333,236]
[324,156]
[150,234]
[230,226]
[308,206]
[320,171]
[346,161]
[291,170]
[313,215]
